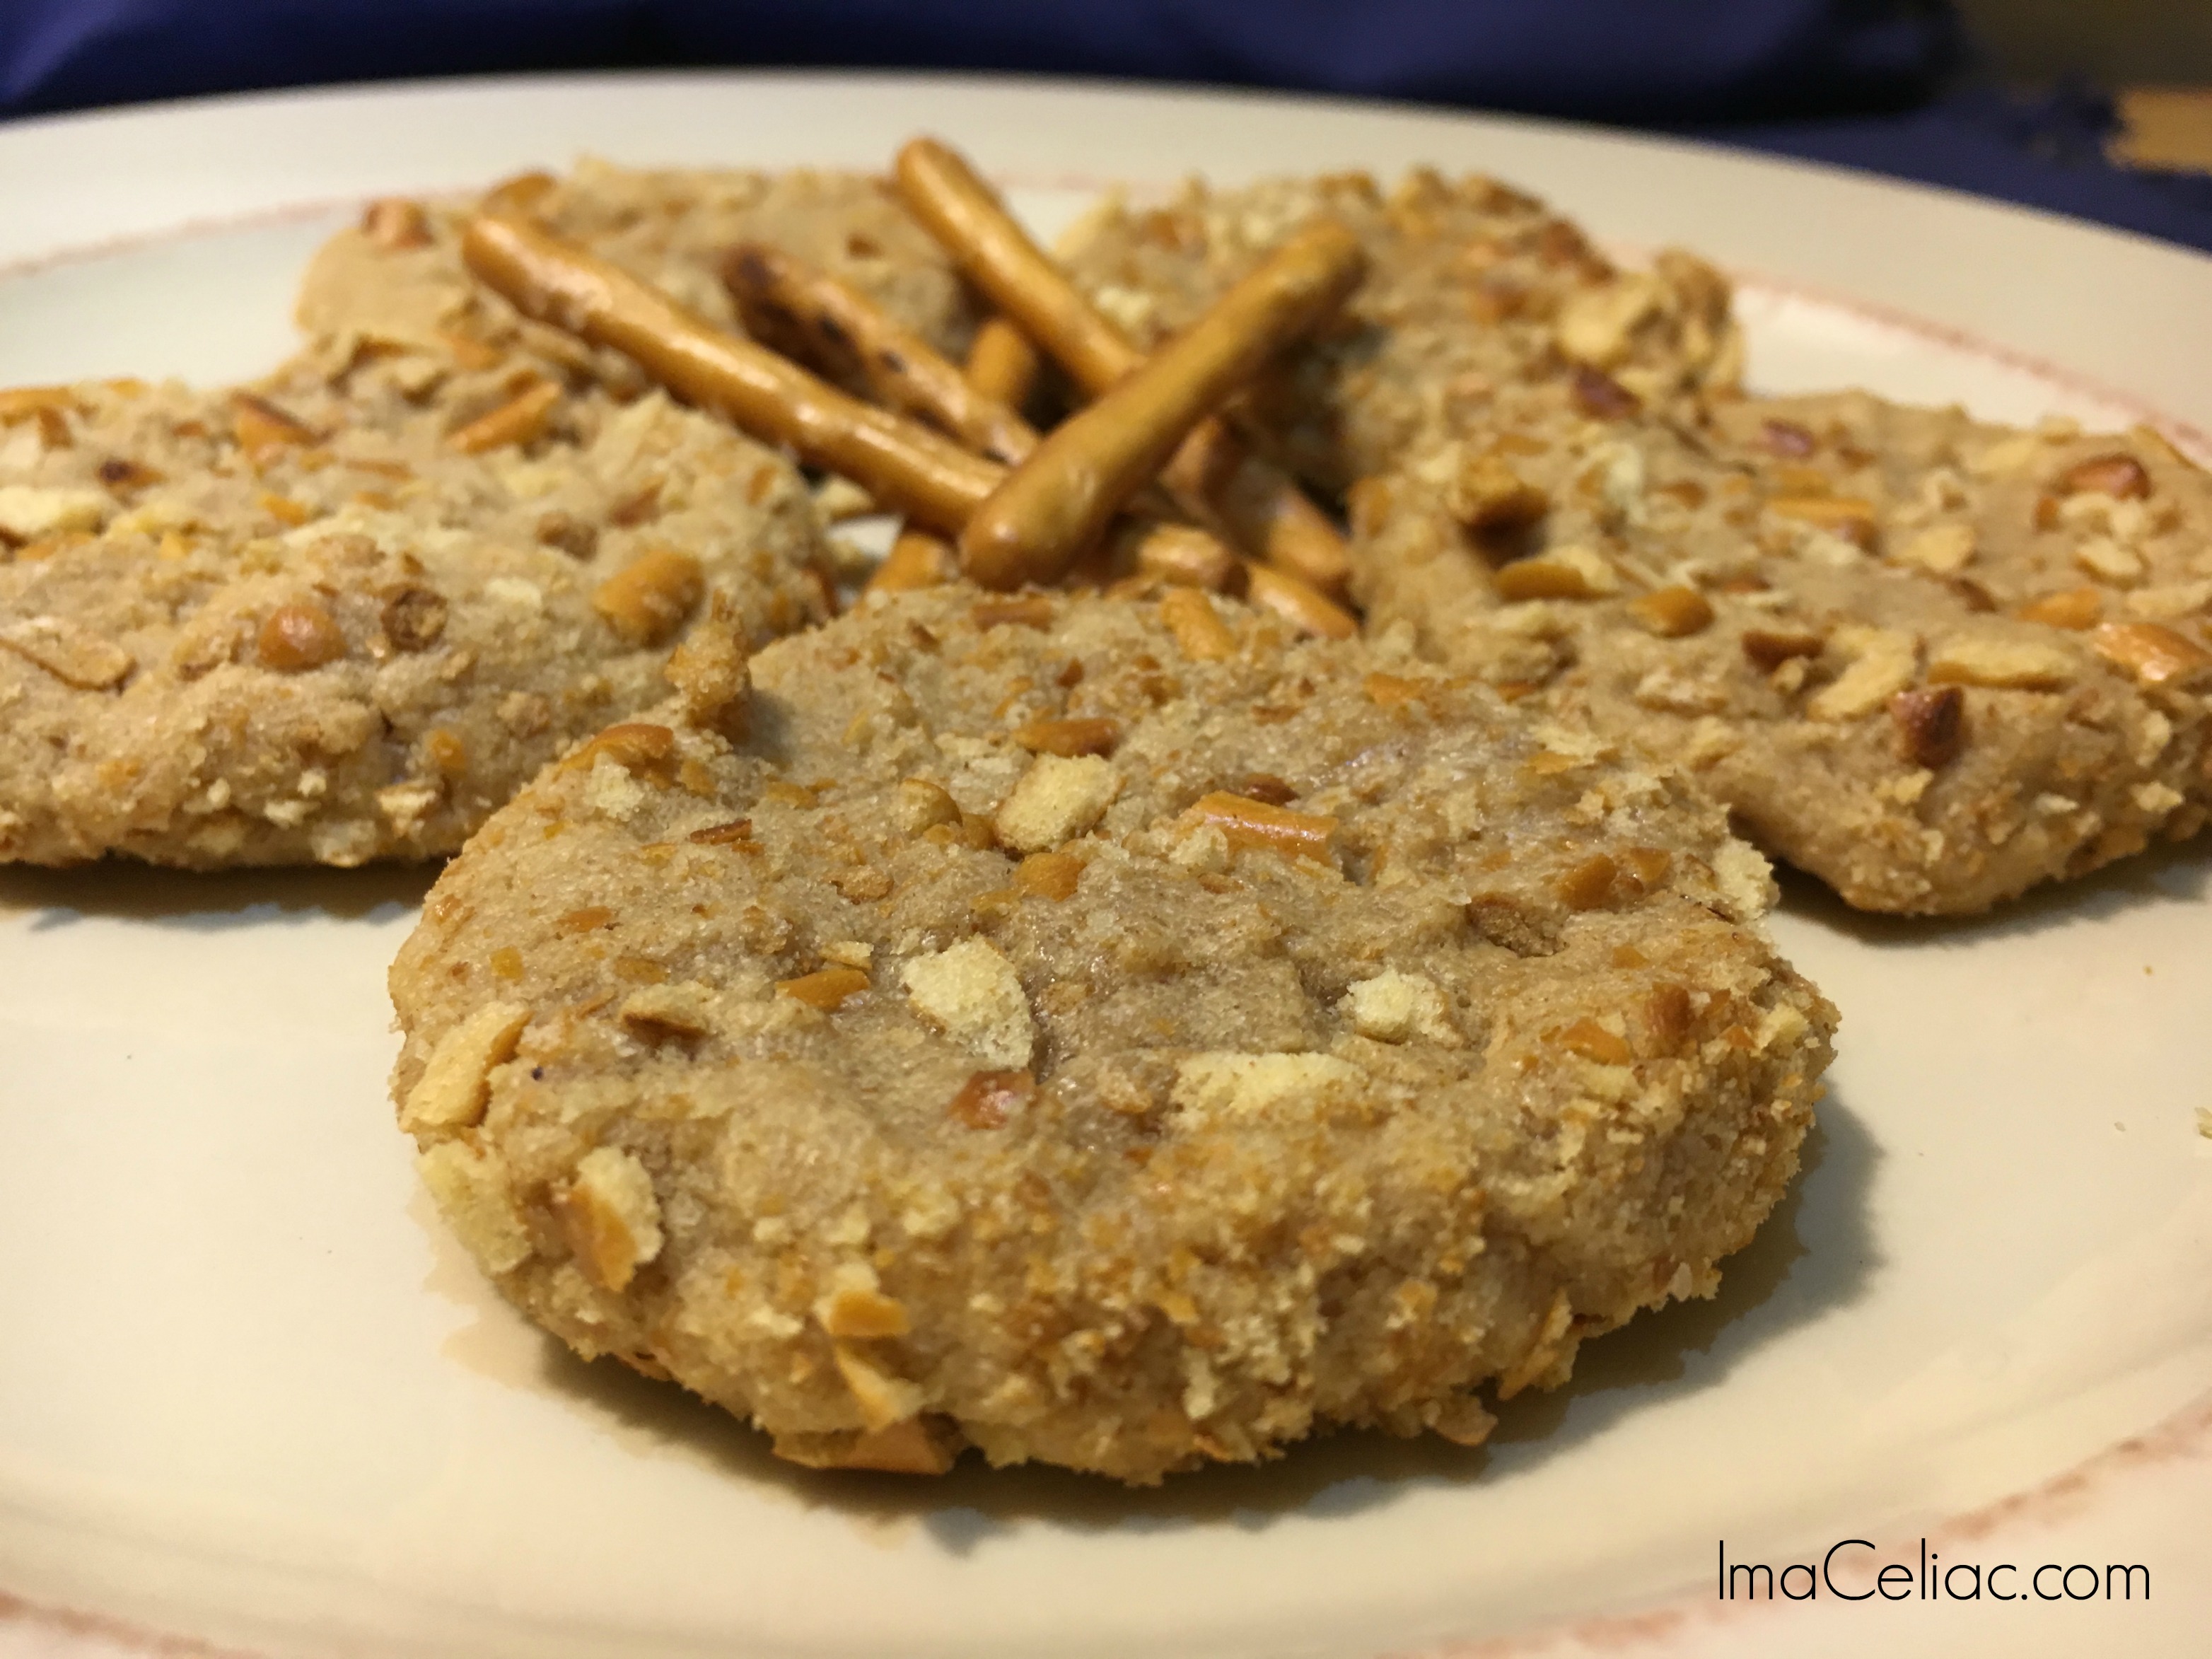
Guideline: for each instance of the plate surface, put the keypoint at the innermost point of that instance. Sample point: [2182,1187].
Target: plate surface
[252,1393]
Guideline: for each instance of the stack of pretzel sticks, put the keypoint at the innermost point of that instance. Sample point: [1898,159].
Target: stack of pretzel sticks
[1081,501]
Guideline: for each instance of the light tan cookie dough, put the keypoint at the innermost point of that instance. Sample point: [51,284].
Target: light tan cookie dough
[1471,286]
[1108,1033]
[396,283]
[336,620]
[1929,660]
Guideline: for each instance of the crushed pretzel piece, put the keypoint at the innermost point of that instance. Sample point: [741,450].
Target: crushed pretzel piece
[2003,663]
[456,1084]
[1770,648]
[393,223]
[2153,653]
[299,636]
[989,1099]
[2075,609]
[1094,734]
[611,1216]
[1197,626]
[1246,822]
[259,424]
[2117,475]
[1843,516]
[1882,663]
[1487,493]
[1058,798]
[1561,573]
[1931,725]
[70,653]
[639,747]
[1672,613]
[522,419]
[973,994]
[650,598]
[826,989]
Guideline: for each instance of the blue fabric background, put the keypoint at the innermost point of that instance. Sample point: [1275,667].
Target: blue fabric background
[1857,82]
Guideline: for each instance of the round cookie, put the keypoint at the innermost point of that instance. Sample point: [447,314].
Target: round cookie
[397,281]
[1932,661]
[1115,1034]
[343,614]
[1471,286]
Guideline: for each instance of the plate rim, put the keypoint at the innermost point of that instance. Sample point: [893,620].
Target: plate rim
[2186,1435]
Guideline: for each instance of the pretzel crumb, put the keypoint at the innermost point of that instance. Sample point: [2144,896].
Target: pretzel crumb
[456,1085]
[611,1216]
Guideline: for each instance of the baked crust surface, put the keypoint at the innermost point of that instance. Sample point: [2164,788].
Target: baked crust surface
[1472,286]
[1099,1036]
[1931,660]
[302,626]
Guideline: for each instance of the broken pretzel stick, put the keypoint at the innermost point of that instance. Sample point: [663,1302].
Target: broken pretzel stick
[1002,364]
[849,336]
[1184,555]
[927,476]
[917,559]
[1057,501]
[782,298]
[1261,506]
[1298,602]
[896,460]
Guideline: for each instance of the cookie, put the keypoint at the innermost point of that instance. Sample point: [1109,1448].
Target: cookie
[1930,660]
[1115,1034]
[1471,286]
[345,615]
[396,281]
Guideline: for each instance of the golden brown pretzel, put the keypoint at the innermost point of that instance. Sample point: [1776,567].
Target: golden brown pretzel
[898,461]
[917,559]
[1002,364]
[1261,508]
[1059,501]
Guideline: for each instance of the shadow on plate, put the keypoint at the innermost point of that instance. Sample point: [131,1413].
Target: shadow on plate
[115,889]
[2163,875]
[1812,1256]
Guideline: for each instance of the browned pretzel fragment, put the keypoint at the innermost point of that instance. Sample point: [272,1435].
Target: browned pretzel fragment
[1002,364]
[897,460]
[849,336]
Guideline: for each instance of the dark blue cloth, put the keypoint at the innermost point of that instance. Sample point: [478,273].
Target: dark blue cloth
[1624,60]
[2047,151]
[1852,82]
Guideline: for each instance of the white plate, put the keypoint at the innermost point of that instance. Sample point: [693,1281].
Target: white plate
[251,1393]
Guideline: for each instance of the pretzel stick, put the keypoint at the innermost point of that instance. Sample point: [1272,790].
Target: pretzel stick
[1298,603]
[1002,364]
[917,559]
[848,334]
[896,460]
[1186,557]
[1261,508]
[517,195]
[957,207]
[1057,501]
